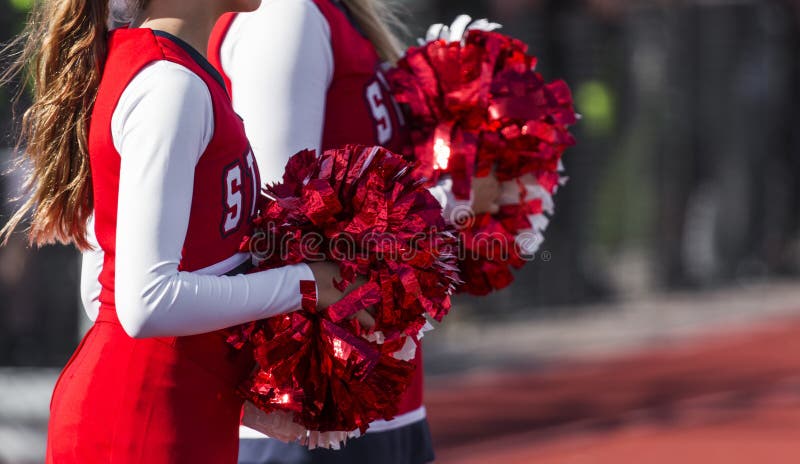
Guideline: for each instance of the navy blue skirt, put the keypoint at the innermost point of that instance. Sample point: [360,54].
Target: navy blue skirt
[406,445]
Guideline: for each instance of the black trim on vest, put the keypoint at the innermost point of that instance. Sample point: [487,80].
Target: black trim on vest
[243,268]
[195,55]
[343,8]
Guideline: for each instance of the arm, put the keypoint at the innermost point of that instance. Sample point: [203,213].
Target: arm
[161,126]
[280,62]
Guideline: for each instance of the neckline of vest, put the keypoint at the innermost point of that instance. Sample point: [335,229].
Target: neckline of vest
[195,55]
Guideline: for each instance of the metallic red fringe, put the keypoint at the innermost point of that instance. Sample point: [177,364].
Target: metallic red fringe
[476,107]
[361,208]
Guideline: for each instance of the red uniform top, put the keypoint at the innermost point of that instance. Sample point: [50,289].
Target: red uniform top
[210,238]
[359,108]
[167,399]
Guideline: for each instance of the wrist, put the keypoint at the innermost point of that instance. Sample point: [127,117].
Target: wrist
[308,292]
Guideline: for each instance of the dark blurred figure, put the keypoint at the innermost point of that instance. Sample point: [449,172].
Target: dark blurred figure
[39,302]
[39,310]
[726,169]
[781,229]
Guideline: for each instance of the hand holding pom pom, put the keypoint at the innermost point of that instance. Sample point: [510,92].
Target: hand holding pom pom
[328,294]
[476,107]
[383,260]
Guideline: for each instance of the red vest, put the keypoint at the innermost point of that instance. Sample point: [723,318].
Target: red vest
[226,176]
[359,108]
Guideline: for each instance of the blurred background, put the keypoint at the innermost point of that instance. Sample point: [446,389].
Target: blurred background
[660,322]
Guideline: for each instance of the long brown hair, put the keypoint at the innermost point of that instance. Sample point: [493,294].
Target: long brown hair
[378,19]
[64,46]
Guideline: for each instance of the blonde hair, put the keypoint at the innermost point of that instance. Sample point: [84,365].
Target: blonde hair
[62,57]
[378,19]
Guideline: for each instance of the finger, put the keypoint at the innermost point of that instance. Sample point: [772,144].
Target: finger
[529,179]
[533,189]
[359,281]
[365,320]
[509,193]
[490,186]
[484,207]
[458,27]
[497,191]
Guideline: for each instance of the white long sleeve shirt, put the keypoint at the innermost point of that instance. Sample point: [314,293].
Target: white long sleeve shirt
[161,126]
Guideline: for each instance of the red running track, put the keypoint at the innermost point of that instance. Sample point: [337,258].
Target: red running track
[729,399]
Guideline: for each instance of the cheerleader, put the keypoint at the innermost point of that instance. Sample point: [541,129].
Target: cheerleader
[308,74]
[135,128]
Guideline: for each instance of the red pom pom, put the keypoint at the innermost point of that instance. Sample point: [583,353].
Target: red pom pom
[361,208]
[478,107]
